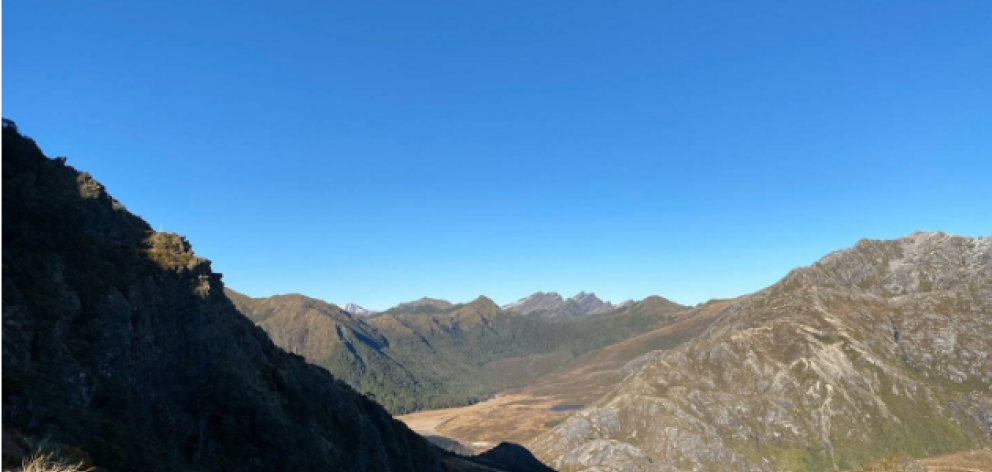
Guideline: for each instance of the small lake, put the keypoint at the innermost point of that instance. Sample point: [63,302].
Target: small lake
[565,407]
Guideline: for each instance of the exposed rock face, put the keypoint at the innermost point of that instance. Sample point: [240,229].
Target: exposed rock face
[540,301]
[879,349]
[551,305]
[119,342]
[358,311]
[589,303]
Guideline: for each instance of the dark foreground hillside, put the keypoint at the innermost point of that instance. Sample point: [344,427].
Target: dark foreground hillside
[120,347]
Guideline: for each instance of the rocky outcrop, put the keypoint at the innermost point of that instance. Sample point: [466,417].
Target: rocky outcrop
[587,304]
[879,349]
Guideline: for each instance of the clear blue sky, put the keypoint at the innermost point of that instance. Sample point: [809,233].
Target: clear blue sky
[378,152]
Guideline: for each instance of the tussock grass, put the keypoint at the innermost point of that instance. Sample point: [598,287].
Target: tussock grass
[48,461]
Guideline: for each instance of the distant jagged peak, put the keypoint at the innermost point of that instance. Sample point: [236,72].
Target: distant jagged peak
[553,305]
[586,297]
[588,303]
[538,297]
[538,301]
[357,310]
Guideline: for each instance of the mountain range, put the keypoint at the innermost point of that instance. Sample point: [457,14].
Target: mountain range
[822,371]
[123,350]
[548,305]
[432,353]
[874,351]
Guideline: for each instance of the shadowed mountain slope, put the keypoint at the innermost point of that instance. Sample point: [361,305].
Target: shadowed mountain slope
[120,345]
[353,350]
[872,351]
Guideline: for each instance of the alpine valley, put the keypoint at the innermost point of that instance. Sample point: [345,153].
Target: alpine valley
[123,350]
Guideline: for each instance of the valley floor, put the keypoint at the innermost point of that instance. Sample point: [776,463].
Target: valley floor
[512,417]
[966,461]
[520,416]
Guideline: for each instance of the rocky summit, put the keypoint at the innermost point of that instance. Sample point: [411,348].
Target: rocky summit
[880,349]
[357,310]
[551,305]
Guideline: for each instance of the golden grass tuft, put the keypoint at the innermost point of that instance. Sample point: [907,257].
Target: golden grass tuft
[51,462]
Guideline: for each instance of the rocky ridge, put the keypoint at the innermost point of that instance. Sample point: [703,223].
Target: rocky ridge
[876,350]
